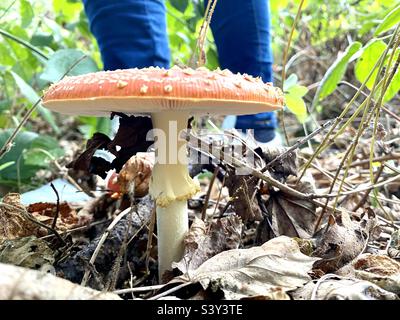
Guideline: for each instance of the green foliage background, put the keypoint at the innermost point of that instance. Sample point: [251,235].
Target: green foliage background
[40,39]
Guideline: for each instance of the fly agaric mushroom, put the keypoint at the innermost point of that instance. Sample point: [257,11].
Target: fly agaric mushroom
[170,97]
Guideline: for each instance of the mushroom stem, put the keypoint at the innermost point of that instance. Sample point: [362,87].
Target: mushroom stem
[172,225]
[170,186]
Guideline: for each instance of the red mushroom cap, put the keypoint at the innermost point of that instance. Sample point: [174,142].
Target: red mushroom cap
[148,90]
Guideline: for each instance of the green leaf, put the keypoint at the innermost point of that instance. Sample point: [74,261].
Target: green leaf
[6,58]
[290,82]
[212,59]
[296,105]
[49,144]
[68,9]
[335,72]
[25,155]
[6,165]
[294,101]
[180,5]
[370,55]
[90,125]
[21,142]
[392,18]
[103,125]
[17,42]
[29,93]
[275,6]
[26,13]
[294,94]
[18,48]
[299,91]
[42,39]
[5,105]
[62,60]
[393,88]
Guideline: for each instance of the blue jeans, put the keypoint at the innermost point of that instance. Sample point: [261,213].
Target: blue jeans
[133,33]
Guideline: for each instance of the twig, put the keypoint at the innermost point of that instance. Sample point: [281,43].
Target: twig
[286,52]
[347,193]
[137,232]
[77,229]
[5,11]
[101,242]
[284,60]
[23,43]
[254,172]
[53,225]
[29,217]
[329,175]
[383,107]
[320,280]
[8,144]
[199,50]
[285,188]
[165,293]
[297,145]
[392,156]
[366,194]
[280,157]
[150,240]
[322,214]
[203,212]
[140,289]
[219,194]
[340,118]
[114,273]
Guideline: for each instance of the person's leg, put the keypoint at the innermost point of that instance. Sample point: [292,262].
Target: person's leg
[130,33]
[241,31]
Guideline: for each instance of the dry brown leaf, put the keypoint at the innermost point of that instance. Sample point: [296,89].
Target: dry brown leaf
[245,204]
[283,168]
[12,222]
[394,246]
[274,294]
[28,252]
[343,289]
[289,216]
[377,264]
[256,271]
[67,218]
[380,270]
[338,243]
[134,176]
[203,242]
[131,138]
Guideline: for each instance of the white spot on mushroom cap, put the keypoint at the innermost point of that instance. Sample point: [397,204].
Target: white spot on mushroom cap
[122,84]
[202,69]
[188,71]
[143,89]
[168,88]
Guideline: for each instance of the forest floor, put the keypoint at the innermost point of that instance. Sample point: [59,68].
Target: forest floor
[326,232]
